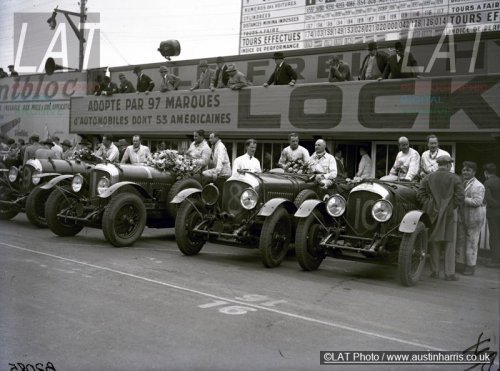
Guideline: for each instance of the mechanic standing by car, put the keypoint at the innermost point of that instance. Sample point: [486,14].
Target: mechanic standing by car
[440,194]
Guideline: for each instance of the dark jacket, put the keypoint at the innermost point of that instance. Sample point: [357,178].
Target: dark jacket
[393,68]
[127,87]
[381,64]
[225,78]
[492,196]
[282,75]
[144,83]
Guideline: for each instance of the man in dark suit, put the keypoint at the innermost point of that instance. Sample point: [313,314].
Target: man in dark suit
[221,76]
[395,68]
[144,82]
[373,65]
[283,73]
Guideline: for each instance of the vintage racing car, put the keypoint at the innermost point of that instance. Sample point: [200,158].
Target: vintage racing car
[379,221]
[119,198]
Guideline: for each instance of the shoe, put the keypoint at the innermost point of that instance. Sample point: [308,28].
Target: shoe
[434,275]
[468,271]
[450,277]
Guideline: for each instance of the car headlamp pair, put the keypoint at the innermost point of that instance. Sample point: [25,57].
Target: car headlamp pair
[381,210]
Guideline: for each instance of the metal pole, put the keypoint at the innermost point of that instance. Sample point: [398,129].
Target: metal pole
[82,39]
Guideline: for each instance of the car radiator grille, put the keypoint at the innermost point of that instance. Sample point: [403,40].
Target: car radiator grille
[359,216]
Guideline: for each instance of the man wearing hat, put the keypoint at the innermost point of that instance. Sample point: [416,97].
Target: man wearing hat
[373,65]
[221,77]
[440,194]
[12,71]
[67,152]
[45,151]
[283,73]
[206,76]
[237,80]
[339,70]
[144,82]
[125,85]
[108,87]
[168,81]
[30,150]
[395,69]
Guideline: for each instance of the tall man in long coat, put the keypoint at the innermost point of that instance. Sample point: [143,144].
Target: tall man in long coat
[440,193]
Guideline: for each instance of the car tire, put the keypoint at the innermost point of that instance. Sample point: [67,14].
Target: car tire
[275,238]
[187,218]
[57,201]
[124,219]
[412,251]
[6,211]
[305,194]
[176,188]
[307,238]
[35,206]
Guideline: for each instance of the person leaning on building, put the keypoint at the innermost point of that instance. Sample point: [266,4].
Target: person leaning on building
[12,71]
[199,150]
[221,77]
[144,82]
[108,87]
[283,73]
[471,217]
[237,80]
[365,165]
[323,165]
[125,85]
[206,76]
[248,161]
[407,163]
[136,153]
[395,69]
[440,194]
[219,158]
[373,65]
[428,162]
[293,152]
[107,150]
[339,70]
[169,81]
[492,197]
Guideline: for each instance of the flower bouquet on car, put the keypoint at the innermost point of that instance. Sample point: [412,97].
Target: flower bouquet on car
[84,154]
[296,167]
[170,160]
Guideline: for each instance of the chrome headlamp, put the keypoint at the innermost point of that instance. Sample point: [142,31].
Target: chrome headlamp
[382,211]
[210,194]
[13,173]
[35,178]
[102,185]
[77,183]
[248,199]
[335,206]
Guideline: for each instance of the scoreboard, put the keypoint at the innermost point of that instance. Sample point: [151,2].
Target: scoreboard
[272,25]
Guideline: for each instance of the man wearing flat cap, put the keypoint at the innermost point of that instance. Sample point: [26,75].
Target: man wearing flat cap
[144,82]
[221,76]
[339,70]
[125,85]
[206,76]
[237,80]
[169,81]
[283,73]
[440,194]
[373,65]
[30,150]
[12,71]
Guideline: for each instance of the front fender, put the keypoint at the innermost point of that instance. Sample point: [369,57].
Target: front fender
[115,187]
[185,193]
[54,181]
[270,206]
[46,175]
[411,219]
[307,207]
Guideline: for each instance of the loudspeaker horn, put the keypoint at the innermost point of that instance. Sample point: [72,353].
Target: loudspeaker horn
[170,48]
[51,66]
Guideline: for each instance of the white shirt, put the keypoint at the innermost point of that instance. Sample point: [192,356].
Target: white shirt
[406,165]
[365,167]
[288,154]
[57,148]
[199,152]
[136,156]
[324,163]
[221,159]
[110,154]
[246,162]
[428,162]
